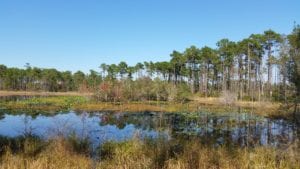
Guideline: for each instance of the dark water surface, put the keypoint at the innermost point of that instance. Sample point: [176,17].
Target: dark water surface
[18,97]
[233,128]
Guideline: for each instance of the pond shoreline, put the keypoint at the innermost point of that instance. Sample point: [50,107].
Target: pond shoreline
[195,99]
[231,137]
[56,101]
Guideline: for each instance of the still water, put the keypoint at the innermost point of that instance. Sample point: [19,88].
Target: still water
[241,129]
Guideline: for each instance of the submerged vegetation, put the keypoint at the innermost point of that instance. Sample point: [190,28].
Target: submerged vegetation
[148,153]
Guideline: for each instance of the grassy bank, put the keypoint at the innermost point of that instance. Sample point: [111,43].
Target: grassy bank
[42,93]
[55,103]
[142,154]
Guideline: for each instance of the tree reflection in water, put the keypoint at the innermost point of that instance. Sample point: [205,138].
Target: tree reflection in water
[230,129]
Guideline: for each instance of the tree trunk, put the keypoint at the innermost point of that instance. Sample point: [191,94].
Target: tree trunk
[269,73]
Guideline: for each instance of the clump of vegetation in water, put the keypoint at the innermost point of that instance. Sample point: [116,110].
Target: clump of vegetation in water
[53,104]
[46,103]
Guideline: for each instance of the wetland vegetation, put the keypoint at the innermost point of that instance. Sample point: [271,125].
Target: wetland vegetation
[202,139]
[204,108]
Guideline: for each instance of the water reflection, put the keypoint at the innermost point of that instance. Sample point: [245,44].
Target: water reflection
[18,97]
[237,129]
[231,129]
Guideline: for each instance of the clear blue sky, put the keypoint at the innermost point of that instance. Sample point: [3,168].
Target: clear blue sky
[80,35]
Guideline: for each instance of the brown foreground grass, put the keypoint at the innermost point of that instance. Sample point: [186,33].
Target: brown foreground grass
[57,155]
[136,154]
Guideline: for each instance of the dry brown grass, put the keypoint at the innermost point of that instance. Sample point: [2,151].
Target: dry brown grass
[137,154]
[240,103]
[195,156]
[129,155]
[264,108]
[137,107]
[102,106]
[56,155]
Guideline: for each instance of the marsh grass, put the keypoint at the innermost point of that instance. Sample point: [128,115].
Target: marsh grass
[199,156]
[60,103]
[52,104]
[42,93]
[28,146]
[147,154]
[57,154]
[128,154]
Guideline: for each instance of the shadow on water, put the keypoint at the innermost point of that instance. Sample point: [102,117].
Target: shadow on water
[18,97]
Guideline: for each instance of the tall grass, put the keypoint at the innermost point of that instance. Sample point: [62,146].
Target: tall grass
[56,155]
[149,153]
[168,155]
[197,156]
[129,154]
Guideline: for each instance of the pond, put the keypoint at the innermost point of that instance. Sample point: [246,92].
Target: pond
[238,129]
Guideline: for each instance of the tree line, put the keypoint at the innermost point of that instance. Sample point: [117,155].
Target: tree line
[260,67]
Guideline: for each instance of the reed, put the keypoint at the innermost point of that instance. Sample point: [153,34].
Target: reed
[152,153]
